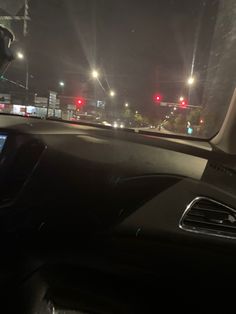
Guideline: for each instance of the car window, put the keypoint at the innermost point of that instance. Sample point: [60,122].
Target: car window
[164,66]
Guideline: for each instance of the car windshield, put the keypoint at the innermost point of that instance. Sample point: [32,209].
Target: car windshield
[164,66]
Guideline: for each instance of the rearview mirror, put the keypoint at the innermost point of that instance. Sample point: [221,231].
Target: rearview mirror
[6,55]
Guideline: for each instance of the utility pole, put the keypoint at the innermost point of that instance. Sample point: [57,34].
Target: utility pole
[26,18]
[25,32]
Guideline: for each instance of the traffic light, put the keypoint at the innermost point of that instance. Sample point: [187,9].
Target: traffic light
[183,104]
[80,102]
[157,98]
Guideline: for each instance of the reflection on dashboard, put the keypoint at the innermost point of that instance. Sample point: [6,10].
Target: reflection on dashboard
[47,307]
[2,141]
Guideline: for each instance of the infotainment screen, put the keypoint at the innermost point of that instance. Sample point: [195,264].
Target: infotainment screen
[2,141]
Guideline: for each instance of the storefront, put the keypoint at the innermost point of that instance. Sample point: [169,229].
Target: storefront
[19,110]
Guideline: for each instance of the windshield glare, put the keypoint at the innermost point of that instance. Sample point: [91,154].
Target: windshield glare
[164,66]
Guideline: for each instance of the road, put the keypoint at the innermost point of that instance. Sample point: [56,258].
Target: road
[156,130]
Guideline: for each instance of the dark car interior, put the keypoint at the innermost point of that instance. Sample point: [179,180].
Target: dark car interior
[96,220]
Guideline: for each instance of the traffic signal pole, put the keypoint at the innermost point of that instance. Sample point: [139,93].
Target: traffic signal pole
[177,105]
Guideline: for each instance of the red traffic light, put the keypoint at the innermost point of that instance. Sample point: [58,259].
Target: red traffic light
[183,104]
[157,98]
[80,102]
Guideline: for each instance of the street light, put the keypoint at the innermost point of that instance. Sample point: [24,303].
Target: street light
[112,93]
[62,86]
[126,105]
[95,74]
[181,98]
[191,81]
[20,55]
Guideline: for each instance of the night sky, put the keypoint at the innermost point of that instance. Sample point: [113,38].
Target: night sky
[140,47]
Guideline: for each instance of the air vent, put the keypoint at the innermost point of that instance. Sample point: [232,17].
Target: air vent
[207,216]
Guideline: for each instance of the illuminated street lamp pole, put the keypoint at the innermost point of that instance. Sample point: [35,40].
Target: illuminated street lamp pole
[21,56]
[190,83]
[62,85]
[95,75]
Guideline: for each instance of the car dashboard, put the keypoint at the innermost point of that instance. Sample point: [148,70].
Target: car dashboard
[111,206]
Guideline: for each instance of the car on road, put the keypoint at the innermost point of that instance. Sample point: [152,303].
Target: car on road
[118,124]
